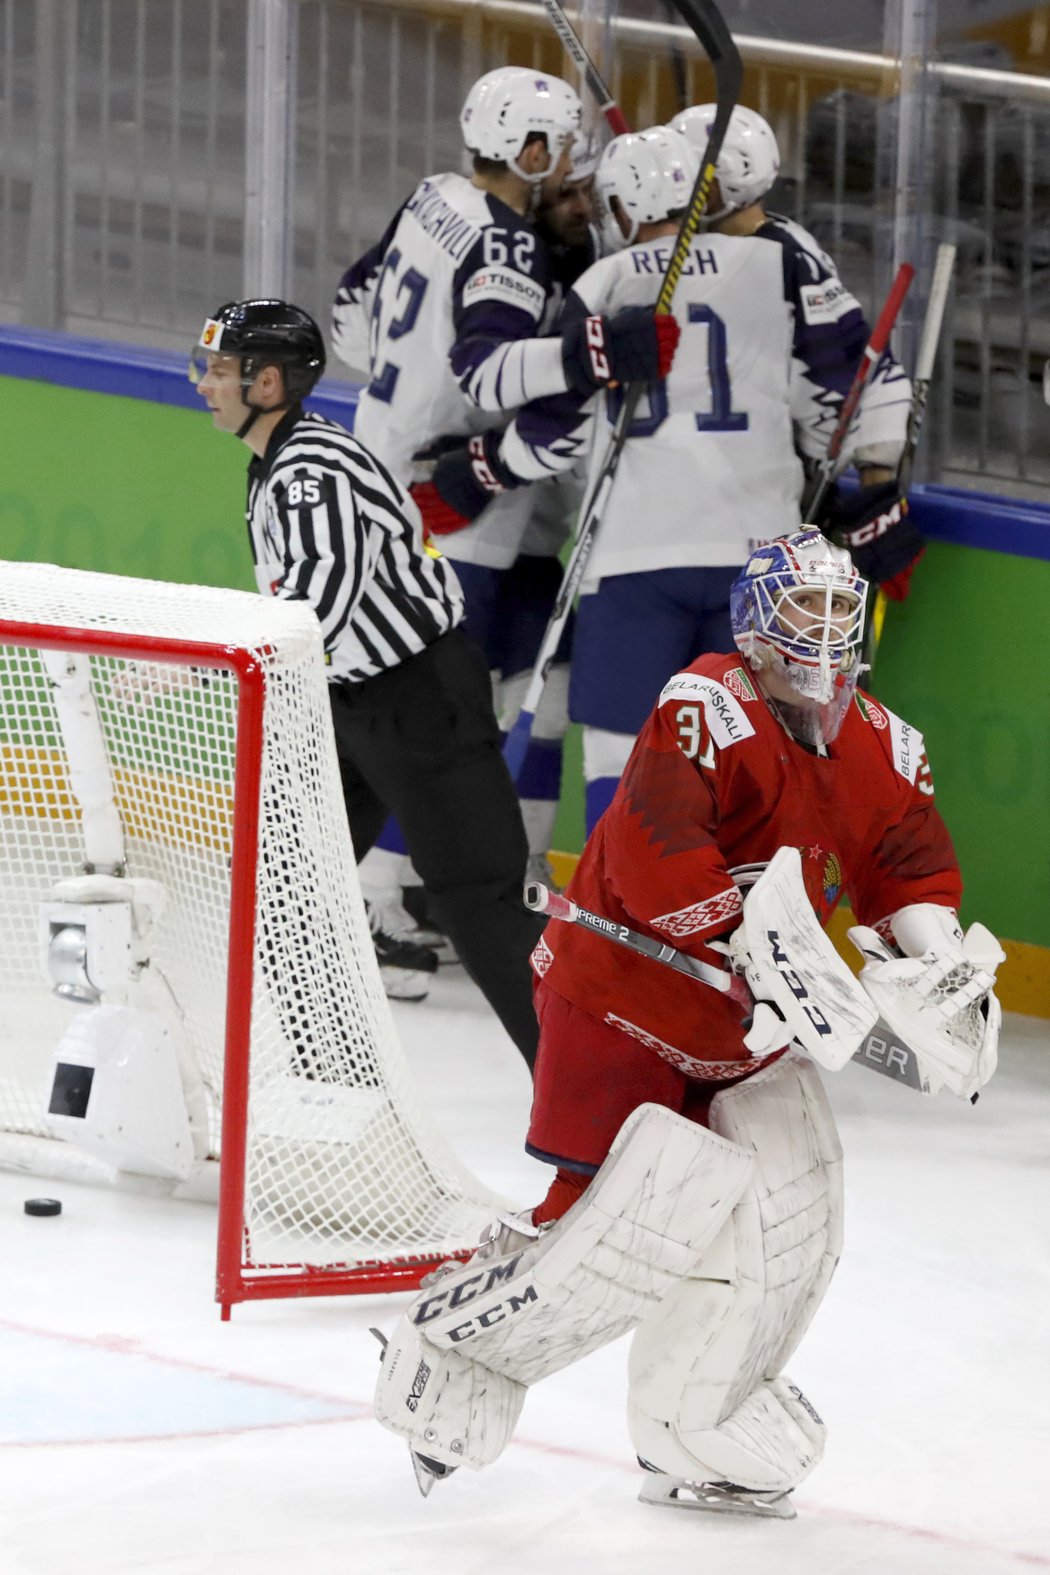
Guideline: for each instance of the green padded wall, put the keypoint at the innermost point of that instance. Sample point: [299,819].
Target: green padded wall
[105,482]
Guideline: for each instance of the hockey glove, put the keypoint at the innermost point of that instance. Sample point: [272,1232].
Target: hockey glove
[941,1003]
[635,346]
[875,526]
[465,481]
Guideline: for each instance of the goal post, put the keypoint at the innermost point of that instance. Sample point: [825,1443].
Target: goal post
[179,909]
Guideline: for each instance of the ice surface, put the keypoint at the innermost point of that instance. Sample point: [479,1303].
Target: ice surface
[141,1436]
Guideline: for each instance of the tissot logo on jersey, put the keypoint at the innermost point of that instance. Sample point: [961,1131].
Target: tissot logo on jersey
[827,302]
[503,284]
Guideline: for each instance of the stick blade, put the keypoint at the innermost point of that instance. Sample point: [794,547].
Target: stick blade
[517,741]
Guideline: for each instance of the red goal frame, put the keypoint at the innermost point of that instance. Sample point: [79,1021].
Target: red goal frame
[236,1278]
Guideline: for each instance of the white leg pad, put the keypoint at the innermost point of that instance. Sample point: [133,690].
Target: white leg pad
[656,1204]
[448,1407]
[770,1443]
[703,1361]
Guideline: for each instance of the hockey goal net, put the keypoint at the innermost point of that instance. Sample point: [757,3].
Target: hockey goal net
[192,725]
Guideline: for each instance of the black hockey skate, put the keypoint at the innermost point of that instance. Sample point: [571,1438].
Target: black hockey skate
[405,967]
[416,904]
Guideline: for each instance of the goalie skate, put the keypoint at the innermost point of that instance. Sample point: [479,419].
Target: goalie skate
[426,1470]
[429,1471]
[720,1498]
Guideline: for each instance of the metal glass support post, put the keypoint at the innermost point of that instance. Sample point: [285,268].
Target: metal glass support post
[43,301]
[907,152]
[269,218]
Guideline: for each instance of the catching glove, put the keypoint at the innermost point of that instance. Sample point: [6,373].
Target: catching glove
[876,528]
[635,346]
[464,482]
[941,1003]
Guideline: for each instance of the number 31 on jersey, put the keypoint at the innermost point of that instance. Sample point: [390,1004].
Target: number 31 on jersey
[694,740]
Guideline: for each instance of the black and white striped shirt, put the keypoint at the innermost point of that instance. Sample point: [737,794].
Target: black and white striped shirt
[329,525]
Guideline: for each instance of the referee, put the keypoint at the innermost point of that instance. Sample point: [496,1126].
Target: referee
[415,730]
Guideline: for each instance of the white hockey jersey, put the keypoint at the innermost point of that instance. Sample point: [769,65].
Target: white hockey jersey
[457,290]
[770,341]
[448,314]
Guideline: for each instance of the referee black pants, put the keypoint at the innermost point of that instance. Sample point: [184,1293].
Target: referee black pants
[421,741]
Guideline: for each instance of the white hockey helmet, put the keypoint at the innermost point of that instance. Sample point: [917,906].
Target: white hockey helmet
[586,153]
[506,105]
[814,648]
[749,161]
[651,173]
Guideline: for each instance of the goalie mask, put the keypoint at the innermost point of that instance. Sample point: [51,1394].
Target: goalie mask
[651,174]
[797,610]
[749,162]
[505,107]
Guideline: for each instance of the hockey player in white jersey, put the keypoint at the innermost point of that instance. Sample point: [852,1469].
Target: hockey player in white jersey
[458,297]
[455,292]
[769,347]
[874,521]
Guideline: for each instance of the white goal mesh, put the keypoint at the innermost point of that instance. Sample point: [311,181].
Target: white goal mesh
[214,713]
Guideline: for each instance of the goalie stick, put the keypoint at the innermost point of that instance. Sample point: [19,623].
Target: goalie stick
[817,491]
[882,1051]
[614,116]
[707,22]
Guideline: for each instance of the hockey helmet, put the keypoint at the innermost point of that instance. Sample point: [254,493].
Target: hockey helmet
[264,333]
[586,153]
[505,106]
[812,642]
[651,173]
[749,161]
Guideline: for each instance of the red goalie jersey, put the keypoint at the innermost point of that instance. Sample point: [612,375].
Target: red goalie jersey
[714,786]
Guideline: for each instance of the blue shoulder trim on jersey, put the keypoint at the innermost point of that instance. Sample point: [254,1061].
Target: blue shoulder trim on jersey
[100,366]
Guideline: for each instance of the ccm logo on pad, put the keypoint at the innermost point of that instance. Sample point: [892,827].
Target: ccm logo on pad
[795,985]
[468,1290]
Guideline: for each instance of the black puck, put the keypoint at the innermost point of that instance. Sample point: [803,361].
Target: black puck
[42,1207]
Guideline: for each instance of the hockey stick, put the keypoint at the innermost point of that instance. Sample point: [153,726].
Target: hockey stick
[587,69]
[817,491]
[881,1050]
[924,363]
[931,333]
[708,24]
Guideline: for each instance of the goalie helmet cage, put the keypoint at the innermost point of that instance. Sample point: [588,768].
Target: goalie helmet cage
[222,767]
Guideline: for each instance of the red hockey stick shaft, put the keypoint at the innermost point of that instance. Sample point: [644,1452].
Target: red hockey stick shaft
[880,338]
[591,75]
